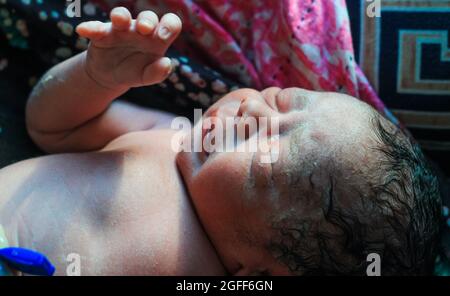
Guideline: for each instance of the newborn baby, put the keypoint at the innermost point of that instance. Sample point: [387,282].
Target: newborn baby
[346,182]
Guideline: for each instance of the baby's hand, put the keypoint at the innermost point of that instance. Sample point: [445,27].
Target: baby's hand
[129,53]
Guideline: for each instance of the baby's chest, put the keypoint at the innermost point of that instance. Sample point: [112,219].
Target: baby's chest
[151,229]
[106,207]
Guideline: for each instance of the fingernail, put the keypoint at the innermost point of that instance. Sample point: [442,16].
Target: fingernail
[148,24]
[164,33]
[167,62]
[168,65]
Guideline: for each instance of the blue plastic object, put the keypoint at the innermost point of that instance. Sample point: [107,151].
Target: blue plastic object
[27,261]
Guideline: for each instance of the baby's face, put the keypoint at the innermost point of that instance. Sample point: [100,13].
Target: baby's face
[238,197]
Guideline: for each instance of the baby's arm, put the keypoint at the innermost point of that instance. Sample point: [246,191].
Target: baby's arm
[72,108]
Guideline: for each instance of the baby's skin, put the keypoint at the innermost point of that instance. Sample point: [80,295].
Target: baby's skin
[115,191]
[122,205]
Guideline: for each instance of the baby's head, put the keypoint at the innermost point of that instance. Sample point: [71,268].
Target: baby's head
[346,183]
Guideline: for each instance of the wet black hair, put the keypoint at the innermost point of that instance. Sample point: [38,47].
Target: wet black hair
[397,218]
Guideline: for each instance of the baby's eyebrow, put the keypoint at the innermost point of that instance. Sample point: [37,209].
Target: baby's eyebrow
[310,178]
[252,177]
[329,200]
[250,183]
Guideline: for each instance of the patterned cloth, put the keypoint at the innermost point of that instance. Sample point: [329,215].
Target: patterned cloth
[264,43]
[405,54]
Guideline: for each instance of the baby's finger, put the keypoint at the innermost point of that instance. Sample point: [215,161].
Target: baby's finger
[146,22]
[93,30]
[169,27]
[120,18]
[157,71]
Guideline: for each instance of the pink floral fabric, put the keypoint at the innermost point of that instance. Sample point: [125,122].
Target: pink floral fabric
[262,43]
